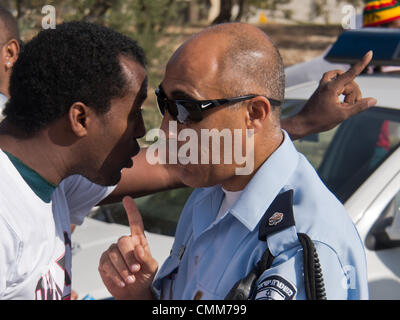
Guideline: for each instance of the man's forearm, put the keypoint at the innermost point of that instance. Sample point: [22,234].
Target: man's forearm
[143,179]
[296,127]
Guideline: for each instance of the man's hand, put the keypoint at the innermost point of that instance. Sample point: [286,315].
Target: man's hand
[324,110]
[127,268]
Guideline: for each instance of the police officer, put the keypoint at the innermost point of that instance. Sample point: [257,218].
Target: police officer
[278,226]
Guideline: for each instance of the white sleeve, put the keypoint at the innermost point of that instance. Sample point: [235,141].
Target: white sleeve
[10,252]
[82,195]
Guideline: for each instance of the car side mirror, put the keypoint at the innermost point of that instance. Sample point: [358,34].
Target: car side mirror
[385,233]
[393,231]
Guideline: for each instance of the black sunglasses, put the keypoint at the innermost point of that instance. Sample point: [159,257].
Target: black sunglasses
[191,110]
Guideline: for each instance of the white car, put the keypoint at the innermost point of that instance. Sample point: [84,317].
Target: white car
[359,161]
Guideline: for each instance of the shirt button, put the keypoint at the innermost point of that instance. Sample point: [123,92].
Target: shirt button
[198,295]
[196,260]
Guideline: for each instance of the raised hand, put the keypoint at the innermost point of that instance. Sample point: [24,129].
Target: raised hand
[127,268]
[324,110]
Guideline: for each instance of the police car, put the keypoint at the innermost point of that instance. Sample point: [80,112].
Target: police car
[359,161]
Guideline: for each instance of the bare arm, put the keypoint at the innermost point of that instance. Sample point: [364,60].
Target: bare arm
[144,178]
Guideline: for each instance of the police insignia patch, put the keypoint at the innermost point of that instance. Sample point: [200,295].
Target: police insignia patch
[279,216]
[275,288]
[275,219]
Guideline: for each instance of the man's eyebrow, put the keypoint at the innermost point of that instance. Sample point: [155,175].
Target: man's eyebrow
[142,94]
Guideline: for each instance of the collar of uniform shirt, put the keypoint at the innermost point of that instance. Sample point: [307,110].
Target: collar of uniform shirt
[266,184]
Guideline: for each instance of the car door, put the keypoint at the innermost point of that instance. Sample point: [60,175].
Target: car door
[382,245]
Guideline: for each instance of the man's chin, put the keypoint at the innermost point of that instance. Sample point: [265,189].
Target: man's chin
[114,180]
[193,178]
[109,181]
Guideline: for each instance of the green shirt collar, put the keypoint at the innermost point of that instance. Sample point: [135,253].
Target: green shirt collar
[40,186]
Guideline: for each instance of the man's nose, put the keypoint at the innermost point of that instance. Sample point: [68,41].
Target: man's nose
[169,127]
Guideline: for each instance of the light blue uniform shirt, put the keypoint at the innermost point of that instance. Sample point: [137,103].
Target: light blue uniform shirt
[208,257]
[3,101]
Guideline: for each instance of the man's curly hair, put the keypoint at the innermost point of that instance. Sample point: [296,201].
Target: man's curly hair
[76,62]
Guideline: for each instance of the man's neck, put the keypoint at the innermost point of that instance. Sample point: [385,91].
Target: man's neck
[239,182]
[37,152]
[4,88]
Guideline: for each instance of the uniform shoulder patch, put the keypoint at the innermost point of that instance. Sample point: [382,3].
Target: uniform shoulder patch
[278,216]
[275,288]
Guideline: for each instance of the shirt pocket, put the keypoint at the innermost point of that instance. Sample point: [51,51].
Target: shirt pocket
[202,293]
[163,284]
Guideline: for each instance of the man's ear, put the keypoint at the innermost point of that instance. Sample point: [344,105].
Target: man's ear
[258,110]
[12,50]
[79,118]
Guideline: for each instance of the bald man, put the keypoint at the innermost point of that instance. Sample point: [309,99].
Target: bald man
[273,233]
[9,51]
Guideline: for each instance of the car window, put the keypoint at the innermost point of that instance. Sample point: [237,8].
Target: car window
[160,211]
[347,155]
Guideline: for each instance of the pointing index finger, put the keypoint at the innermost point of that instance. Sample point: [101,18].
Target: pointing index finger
[134,217]
[355,70]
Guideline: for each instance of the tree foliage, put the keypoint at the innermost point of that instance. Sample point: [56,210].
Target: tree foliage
[148,22]
[244,8]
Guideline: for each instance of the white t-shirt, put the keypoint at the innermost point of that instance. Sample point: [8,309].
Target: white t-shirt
[228,201]
[35,250]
